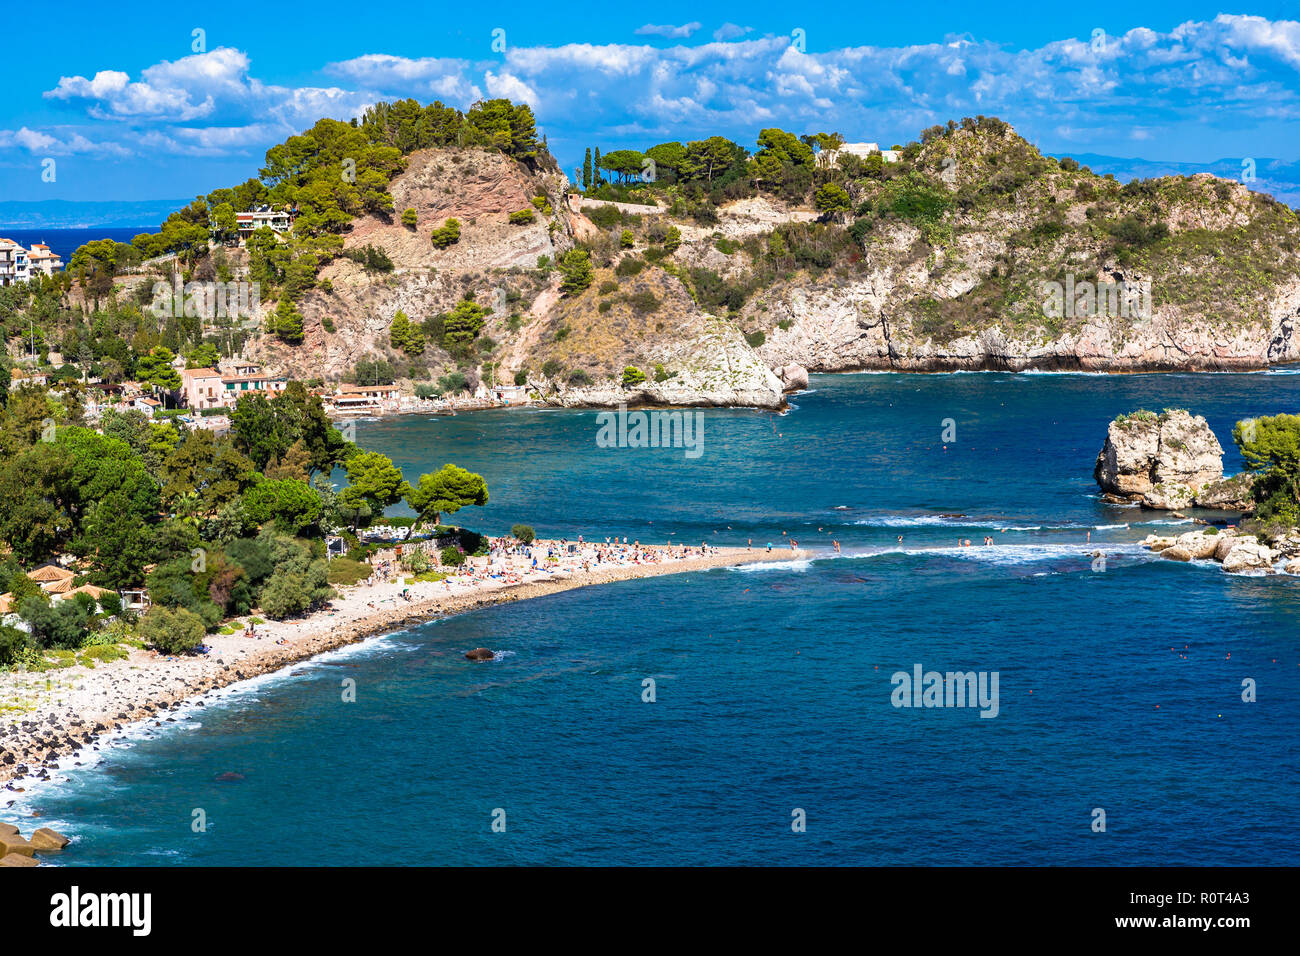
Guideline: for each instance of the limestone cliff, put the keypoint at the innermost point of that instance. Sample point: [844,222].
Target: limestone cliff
[947,266]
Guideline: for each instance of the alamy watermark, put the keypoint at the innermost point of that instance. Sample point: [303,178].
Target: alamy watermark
[206,300]
[952,689]
[653,429]
[1070,299]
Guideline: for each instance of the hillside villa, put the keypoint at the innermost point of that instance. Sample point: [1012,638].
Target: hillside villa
[56,582]
[861,151]
[18,264]
[277,220]
[203,388]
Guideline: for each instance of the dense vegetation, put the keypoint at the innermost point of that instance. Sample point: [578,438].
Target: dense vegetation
[212,526]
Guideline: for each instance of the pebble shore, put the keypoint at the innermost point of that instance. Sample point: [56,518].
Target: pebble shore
[70,710]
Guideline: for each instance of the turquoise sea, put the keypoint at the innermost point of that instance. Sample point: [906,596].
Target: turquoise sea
[1120,689]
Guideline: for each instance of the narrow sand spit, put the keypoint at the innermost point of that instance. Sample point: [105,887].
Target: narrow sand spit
[59,712]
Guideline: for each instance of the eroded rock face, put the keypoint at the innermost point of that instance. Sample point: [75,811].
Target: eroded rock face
[1160,460]
[1228,494]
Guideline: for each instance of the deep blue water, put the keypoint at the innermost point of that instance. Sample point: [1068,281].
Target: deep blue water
[66,241]
[1119,689]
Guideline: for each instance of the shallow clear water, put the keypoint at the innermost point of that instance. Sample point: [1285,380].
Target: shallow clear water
[1118,689]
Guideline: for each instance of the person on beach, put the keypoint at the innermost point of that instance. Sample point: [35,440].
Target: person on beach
[837,545]
[749,544]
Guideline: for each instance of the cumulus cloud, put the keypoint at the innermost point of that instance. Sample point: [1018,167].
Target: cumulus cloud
[671,32]
[1090,90]
[66,143]
[731,31]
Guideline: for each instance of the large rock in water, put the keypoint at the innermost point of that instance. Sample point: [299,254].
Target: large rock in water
[1247,555]
[1159,460]
[480,654]
[13,843]
[46,840]
[794,378]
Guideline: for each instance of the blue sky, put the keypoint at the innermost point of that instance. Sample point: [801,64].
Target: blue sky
[127,109]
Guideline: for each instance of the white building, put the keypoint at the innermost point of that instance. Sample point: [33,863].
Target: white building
[43,260]
[21,265]
[277,220]
[862,151]
[15,265]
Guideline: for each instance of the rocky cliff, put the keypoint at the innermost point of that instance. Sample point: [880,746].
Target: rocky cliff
[950,264]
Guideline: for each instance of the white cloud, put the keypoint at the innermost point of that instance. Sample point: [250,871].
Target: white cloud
[731,31]
[1086,91]
[671,32]
[67,143]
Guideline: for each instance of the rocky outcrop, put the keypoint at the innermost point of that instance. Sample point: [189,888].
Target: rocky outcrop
[794,378]
[479,654]
[1248,555]
[1162,460]
[1236,552]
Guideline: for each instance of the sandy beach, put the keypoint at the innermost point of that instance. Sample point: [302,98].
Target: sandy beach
[57,713]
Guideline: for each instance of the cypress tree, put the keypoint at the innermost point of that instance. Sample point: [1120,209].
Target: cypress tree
[586,171]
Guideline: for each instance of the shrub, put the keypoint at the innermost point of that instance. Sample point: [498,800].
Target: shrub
[552,368]
[642,302]
[579,377]
[12,643]
[409,218]
[632,376]
[523,533]
[347,571]
[172,631]
[575,266]
[521,217]
[451,557]
[629,267]
[446,234]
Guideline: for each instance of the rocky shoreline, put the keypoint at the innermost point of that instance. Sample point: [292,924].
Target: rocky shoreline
[1238,553]
[31,748]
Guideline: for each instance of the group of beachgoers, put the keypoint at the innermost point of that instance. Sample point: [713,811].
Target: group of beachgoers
[508,560]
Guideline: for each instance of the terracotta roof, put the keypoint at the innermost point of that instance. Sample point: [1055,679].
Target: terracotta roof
[6,602]
[201,373]
[58,587]
[95,592]
[51,572]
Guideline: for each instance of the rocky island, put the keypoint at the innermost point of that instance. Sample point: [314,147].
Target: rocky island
[1172,460]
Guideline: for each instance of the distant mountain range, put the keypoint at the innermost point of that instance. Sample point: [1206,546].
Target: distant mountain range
[67,214]
[1279,178]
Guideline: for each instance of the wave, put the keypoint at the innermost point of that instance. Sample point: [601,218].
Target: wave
[795,564]
[955,521]
[1021,553]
